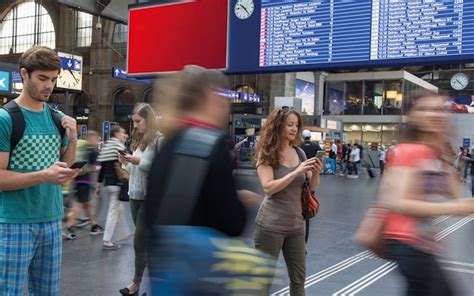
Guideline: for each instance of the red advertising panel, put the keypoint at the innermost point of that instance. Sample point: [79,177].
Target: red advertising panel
[166,37]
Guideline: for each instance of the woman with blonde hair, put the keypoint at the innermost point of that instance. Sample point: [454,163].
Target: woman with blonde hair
[282,168]
[145,138]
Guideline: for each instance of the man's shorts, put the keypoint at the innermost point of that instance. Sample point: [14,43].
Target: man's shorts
[82,193]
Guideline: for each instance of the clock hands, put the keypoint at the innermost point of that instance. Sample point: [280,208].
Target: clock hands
[73,76]
[459,81]
[243,7]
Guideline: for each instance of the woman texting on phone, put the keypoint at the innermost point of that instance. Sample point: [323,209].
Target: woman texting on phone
[144,144]
[282,168]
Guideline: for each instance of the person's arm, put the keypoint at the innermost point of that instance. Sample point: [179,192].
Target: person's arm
[146,160]
[68,154]
[58,173]
[314,174]
[398,189]
[271,185]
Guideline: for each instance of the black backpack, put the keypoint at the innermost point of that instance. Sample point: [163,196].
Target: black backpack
[18,122]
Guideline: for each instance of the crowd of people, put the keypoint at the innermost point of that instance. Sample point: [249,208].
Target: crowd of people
[177,175]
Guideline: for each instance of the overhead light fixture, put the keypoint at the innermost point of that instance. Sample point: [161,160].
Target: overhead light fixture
[399,97]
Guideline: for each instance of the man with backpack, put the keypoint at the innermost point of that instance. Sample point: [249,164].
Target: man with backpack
[37,146]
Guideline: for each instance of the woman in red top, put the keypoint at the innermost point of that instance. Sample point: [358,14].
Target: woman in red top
[418,178]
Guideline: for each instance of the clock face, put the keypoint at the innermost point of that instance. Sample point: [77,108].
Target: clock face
[243,9]
[70,76]
[459,81]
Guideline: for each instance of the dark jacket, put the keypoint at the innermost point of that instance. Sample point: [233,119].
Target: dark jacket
[217,206]
[310,148]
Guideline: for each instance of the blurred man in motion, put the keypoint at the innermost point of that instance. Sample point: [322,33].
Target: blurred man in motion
[192,202]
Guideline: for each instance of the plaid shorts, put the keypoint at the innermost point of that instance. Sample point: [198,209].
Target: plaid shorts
[30,251]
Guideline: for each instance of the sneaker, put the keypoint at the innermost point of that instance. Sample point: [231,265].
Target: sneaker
[82,223]
[96,229]
[69,234]
[356,177]
[111,246]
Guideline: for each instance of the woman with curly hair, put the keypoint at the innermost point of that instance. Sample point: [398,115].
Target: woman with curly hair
[282,168]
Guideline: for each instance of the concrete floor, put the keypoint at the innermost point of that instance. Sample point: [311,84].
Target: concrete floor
[335,266]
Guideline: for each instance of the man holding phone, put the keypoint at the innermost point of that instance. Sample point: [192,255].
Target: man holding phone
[31,172]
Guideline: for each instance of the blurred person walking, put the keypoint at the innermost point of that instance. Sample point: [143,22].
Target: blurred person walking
[282,168]
[37,147]
[144,142]
[417,178]
[110,181]
[192,206]
[83,183]
[382,155]
[354,161]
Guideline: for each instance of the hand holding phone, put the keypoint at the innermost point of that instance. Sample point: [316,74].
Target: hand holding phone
[78,165]
[122,152]
[320,154]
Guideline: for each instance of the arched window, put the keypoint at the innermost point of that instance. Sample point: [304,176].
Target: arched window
[123,106]
[26,24]
[81,107]
[148,96]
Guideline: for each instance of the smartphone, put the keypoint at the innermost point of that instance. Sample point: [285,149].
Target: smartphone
[320,154]
[78,165]
[122,152]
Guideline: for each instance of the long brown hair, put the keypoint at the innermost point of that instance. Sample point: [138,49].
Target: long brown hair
[269,147]
[144,140]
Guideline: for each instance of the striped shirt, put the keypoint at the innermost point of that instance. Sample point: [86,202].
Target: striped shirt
[110,150]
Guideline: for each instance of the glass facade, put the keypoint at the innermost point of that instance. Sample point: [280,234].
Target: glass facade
[378,97]
[370,133]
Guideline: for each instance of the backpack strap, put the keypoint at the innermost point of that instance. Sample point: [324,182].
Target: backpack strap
[18,123]
[57,121]
[191,160]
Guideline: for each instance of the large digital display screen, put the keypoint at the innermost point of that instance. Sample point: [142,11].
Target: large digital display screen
[252,36]
[292,35]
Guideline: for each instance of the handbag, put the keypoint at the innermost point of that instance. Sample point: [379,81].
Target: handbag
[370,232]
[123,194]
[122,181]
[309,201]
[122,175]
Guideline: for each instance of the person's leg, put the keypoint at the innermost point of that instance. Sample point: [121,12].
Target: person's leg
[382,166]
[356,168]
[268,241]
[45,268]
[472,185]
[414,266]
[113,213]
[294,251]
[75,212]
[16,251]
[139,242]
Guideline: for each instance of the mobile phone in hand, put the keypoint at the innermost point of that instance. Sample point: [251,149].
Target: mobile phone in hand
[78,165]
[122,152]
[320,154]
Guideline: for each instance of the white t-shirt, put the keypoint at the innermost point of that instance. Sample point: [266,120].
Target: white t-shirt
[355,154]
[382,155]
[334,148]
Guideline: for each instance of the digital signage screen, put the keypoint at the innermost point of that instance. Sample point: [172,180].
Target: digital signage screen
[293,35]
[254,36]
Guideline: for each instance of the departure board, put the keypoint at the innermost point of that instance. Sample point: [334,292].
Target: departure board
[292,35]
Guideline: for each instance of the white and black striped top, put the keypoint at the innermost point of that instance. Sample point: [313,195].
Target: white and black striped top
[110,150]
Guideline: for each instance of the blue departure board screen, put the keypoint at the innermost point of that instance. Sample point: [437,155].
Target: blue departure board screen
[294,35]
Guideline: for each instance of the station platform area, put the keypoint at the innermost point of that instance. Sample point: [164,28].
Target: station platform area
[335,266]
